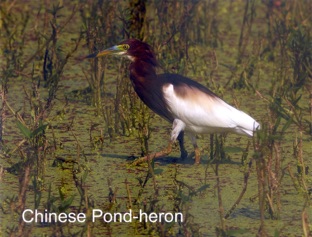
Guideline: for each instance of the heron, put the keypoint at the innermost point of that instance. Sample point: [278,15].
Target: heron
[187,104]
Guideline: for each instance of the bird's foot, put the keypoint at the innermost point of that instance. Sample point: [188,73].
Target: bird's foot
[153,156]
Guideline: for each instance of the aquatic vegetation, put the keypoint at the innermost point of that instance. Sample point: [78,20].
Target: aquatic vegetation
[69,129]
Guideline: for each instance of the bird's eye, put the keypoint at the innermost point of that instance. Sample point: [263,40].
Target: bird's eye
[126,46]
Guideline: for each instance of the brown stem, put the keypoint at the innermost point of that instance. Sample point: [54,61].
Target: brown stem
[246,177]
[221,209]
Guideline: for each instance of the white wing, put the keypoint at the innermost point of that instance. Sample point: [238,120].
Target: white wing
[204,113]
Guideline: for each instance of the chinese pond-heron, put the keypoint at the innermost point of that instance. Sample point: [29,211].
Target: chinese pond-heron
[185,103]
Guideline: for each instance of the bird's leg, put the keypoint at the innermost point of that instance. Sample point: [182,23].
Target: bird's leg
[155,155]
[177,129]
[197,154]
[196,149]
[181,144]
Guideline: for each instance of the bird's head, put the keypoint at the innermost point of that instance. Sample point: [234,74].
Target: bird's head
[134,49]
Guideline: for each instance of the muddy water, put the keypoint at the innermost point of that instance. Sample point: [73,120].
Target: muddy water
[112,185]
[107,165]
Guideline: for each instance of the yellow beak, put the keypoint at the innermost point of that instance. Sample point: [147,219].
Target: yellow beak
[113,50]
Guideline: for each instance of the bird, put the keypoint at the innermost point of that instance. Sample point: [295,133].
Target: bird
[187,104]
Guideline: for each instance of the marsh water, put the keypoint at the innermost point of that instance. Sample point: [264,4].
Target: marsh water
[80,156]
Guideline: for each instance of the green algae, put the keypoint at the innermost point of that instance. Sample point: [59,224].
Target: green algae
[86,164]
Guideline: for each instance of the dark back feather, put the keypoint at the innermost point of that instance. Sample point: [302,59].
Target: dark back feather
[148,85]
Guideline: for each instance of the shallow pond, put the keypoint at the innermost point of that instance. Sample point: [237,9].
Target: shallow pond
[86,169]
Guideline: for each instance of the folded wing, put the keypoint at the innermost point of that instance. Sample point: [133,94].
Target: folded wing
[209,113]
